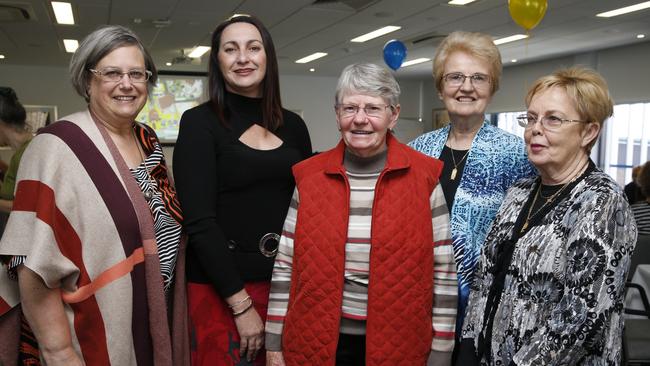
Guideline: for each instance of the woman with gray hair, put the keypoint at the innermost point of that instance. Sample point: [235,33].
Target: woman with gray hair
[365,268]
[95,232]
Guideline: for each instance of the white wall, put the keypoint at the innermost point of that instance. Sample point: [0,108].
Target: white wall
[625,68]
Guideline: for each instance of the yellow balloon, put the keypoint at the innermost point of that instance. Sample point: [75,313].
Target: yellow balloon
[527,13]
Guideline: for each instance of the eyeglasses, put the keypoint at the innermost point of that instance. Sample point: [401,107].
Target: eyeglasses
[371,110]
[548,122]
[456,79]
[115,75]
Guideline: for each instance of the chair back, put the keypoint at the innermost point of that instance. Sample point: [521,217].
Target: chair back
[641,254]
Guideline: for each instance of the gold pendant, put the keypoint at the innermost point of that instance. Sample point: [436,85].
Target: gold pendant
[453,174]
[523,228]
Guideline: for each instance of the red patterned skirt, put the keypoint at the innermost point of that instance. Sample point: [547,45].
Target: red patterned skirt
[213,334]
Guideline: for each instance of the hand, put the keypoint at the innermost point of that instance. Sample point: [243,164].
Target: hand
[274,358]
[63,357]
[251,333]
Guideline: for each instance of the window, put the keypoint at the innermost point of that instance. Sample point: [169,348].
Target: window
[625,137]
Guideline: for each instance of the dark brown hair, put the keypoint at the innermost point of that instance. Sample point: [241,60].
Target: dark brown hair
[643,179]
[271,103]
[11,111]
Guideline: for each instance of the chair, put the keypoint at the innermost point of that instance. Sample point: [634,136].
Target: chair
[641,254]
[636,335]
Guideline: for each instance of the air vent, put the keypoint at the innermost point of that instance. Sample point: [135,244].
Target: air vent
[356,5]
[428,38]
[16,12]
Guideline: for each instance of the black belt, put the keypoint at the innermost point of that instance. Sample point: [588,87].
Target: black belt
[262,245]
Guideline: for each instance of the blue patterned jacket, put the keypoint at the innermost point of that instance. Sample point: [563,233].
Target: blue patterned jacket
[496,160]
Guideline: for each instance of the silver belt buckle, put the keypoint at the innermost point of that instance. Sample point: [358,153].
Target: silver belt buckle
[263,249]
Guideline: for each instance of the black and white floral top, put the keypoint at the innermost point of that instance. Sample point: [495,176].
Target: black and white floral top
[562,296]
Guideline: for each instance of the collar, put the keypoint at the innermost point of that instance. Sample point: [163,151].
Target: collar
[397,157]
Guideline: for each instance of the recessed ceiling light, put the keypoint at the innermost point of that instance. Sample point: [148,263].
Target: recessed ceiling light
[70,45]
[168,63]
[513,60]
[312,57]
[625,10]
[460,2]
[376,33]
[2,56]
[312,70]
[512,38]
[198,51]
[639,36]
[415,62]
[63,12]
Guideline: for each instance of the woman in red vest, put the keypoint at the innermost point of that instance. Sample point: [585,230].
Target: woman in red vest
[365,273]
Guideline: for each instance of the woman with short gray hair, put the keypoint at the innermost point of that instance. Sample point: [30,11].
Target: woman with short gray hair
[365,268]
[95,233]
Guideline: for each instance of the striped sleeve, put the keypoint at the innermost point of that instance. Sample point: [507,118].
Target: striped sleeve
[445,282]
[281,280]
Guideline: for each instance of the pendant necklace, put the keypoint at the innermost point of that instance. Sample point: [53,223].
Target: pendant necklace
[547,201]
[453,158]
[147,193]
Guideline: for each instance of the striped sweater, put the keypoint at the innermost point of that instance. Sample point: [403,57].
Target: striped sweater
[362,175]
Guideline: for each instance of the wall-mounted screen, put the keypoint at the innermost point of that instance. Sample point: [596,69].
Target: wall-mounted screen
[174,93]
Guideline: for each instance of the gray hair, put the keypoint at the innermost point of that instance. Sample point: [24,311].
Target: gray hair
[368,79]
[96,46]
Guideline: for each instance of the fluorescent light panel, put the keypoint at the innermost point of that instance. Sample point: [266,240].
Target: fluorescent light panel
[416,61]
[312,57]
[460,2]
[63,12]
[625,10]
[512,38]
[198,51]
[2,56]
[70,45]
[376,33]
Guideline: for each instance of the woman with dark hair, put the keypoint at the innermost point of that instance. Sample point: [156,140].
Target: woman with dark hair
[232,165]
[15,133]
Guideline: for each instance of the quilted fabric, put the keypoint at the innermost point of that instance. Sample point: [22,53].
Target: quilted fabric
[399,330]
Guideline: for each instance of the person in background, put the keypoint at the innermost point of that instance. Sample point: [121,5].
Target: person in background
[95,233]
[641,209]
[633,190]
[365,274]
[232,166]
[481,161]
[550,284]
[14,133]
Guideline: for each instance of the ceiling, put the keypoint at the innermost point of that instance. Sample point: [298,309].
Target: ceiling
[302,27]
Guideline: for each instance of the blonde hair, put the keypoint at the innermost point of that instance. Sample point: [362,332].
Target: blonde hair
[478,45]
[586,88]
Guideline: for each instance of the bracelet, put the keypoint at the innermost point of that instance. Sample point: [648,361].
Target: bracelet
[240,312]
[240,302]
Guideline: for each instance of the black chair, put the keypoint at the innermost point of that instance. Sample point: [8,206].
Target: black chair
[636,335]
[641,254]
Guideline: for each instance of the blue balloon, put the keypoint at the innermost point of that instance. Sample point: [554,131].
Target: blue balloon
[394,53]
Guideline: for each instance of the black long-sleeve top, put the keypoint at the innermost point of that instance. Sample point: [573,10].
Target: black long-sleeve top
[230,192]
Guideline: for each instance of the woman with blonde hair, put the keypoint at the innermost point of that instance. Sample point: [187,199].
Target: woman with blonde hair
[481,160]
[549,286]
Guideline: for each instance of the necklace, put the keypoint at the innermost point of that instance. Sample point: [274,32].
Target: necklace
[147,193]
[548,200]
[454,171]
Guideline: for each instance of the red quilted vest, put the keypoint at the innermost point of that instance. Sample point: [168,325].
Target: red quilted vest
[400,292]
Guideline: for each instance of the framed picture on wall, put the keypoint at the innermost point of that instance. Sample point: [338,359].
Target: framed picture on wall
[440,118]
[174,93]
